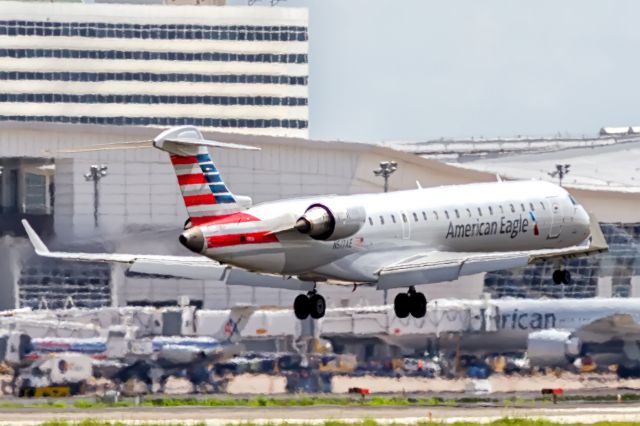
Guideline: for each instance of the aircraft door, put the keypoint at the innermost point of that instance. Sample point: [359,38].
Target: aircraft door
[406,225]
[557,218]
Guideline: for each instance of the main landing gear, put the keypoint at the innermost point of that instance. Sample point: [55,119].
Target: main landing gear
[412,302]
[561,276]
[310,304]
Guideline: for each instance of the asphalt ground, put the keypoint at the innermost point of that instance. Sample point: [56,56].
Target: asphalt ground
[574,413]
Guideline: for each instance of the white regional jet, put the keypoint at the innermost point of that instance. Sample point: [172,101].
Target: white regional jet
[390,240]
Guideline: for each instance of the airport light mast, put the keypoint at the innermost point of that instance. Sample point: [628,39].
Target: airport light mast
[561,171]
[387,168]
[95,173]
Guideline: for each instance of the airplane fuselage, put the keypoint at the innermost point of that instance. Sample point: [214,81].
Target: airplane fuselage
[483,217]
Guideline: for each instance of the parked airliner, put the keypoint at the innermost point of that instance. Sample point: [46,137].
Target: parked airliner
[390,240]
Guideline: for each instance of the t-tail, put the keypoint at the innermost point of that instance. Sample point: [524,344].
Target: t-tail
[205,194]
[231,330]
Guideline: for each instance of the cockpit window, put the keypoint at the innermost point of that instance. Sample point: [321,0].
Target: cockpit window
[573,200]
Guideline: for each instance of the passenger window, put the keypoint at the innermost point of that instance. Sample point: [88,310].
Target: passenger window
[522,207]
[457,214]
[393,218]
[404,218]
[490,211]
[370,221]
[381,220]
[469,212]
[513,209]
[542,204]
[424,215]
[480,211]
[446,214]
[533,209]
[501,209]
[435,214]
[415,216]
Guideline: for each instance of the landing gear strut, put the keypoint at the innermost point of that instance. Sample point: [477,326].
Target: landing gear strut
[411,303]
[310,304]
[561,276]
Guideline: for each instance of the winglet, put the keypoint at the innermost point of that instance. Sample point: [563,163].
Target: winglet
[36,242]
[598,242]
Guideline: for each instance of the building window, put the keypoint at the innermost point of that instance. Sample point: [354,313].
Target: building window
[35,200]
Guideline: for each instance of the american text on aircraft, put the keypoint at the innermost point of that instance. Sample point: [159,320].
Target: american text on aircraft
[505,226]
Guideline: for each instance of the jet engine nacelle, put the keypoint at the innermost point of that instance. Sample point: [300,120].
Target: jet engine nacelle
[332,220]
[552,348]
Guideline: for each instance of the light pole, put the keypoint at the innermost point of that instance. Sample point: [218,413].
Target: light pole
[561,171]
[387,168]
[95,173]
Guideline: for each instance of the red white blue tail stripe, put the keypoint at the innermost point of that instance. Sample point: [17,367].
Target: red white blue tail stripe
[204,192]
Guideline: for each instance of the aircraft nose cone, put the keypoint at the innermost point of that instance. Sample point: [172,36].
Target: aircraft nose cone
[193,239]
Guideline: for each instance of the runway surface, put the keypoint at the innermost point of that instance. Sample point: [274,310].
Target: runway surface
[566,413]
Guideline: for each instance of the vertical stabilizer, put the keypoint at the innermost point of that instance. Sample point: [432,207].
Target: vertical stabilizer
[205,194]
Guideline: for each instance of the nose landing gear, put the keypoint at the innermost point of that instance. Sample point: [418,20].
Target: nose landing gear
[561,276]
[411,303]
[310,304]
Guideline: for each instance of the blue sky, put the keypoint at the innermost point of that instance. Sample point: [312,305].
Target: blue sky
[416,69]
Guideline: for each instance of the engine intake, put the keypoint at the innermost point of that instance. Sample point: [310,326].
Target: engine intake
[331,221]
[552,348]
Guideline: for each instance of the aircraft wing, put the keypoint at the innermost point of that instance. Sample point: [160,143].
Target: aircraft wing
[181,266]
[190,267]
[439,266]
[612,327]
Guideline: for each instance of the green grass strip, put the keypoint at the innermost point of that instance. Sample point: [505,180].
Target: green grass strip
[500,422]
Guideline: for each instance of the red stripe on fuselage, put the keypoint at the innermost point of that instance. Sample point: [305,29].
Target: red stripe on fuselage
[262,237]
[191,179]
[223,218]
[198,200]
[179,159]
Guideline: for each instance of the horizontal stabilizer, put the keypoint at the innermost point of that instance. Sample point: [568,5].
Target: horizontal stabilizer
[185,137]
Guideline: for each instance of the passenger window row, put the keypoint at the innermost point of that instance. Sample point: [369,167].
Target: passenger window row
[456,212]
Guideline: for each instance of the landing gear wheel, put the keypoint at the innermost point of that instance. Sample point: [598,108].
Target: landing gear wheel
[557,276]
[302,306]
[566,277]
[317,306]
[401,305]
[418,304]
